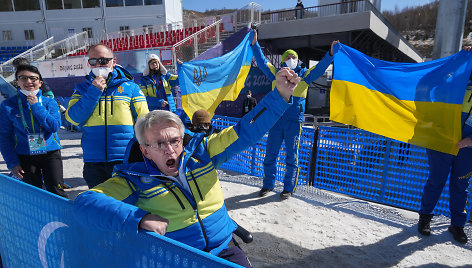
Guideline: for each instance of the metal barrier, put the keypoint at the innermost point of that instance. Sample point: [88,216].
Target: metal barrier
[352,162]
[250,161]
[372,167]
[38,229]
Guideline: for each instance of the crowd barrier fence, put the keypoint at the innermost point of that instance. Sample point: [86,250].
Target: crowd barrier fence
[352,162]
[38,229]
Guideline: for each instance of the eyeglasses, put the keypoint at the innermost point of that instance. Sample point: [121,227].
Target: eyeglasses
[101,61]
[25,78]
[163,145]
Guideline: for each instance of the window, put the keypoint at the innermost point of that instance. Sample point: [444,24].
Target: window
[89,32]
[147,29]
[23,5]
[124,30]
[7,35]
[90,3]
[53,4]
[29,34]
[70,4]
[153,2]
[114,3]
[133,3]
[5,5]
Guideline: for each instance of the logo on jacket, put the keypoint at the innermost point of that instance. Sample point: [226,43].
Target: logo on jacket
[199,75]
[120,89]
[146,179]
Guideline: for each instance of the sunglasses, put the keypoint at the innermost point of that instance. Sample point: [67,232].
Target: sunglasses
[25,78]
[101,61]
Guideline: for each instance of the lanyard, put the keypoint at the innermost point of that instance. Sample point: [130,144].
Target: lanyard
[20,105]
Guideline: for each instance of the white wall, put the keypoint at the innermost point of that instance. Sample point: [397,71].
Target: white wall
[58,22]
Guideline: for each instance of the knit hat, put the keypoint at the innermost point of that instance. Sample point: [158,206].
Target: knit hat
[201,117]
[289,52]
[149,58]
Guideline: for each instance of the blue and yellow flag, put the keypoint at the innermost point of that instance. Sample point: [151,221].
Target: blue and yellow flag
[418,103]
[205,84]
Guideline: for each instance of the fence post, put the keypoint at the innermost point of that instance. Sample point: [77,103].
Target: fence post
[314,151]
[385,169]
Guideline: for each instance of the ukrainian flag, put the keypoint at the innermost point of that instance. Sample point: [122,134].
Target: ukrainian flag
[205,84]
[417,103]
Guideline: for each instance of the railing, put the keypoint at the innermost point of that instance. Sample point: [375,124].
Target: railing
[191,46]
[352,162]
[38,229]
[48,50]
[317,11]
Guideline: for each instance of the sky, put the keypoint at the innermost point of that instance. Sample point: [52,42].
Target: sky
[202,5]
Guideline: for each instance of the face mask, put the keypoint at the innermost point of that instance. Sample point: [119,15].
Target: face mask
[102,71]
[291,63]
[248,96]
[27,92]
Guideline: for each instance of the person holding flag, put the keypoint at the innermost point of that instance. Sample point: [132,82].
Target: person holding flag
[459,171]
[288,127]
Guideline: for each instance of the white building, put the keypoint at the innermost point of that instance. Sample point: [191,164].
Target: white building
[28,22]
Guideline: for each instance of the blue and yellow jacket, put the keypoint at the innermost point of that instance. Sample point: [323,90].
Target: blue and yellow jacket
[107,117]
[43,116]
[156,94]
[197,217]
[297,110]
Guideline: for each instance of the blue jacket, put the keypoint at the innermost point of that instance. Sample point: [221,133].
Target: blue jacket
[104,138]
[43,116]
[197,217]
[467,113]
[155,94]
[297,110]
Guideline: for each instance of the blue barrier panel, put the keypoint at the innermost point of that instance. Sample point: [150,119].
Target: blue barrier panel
[372,167]
[250,161]
[37,229]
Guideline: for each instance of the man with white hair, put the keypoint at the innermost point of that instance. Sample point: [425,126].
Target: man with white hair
[176,191]
[156,85]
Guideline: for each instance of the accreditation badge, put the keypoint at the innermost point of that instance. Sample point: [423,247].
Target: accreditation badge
[37,143]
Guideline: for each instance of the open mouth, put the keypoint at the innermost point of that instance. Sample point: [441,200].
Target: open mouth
[170,163]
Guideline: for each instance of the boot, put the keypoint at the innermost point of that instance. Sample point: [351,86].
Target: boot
[424,226]
[458,234]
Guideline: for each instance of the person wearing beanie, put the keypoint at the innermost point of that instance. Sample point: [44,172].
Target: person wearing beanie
[288,127]
[156,85]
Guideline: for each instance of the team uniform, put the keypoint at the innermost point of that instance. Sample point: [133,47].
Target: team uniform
[457,168]
[157,89]
[106,119]
[193,201]
[288,128]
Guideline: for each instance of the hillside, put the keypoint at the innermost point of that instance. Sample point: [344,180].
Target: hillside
[418,25]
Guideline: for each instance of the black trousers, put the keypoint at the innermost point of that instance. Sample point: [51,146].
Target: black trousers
[47,167]
[98,172]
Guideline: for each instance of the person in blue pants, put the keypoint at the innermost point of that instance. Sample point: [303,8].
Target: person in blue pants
[459,170]
[288,128]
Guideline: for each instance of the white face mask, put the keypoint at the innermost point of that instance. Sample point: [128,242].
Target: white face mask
[102,71]
[291,63]
[27,92]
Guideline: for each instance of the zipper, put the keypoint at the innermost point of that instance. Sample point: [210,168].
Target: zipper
[196,185]
[258,114]
[175,195]
[106,128]
[203,229]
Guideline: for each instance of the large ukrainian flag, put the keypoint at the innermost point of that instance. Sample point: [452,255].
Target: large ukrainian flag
[205,84]
[418,103]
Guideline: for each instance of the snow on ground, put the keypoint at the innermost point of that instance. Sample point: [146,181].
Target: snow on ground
[314,228]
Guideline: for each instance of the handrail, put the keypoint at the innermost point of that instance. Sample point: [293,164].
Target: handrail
[174,56]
